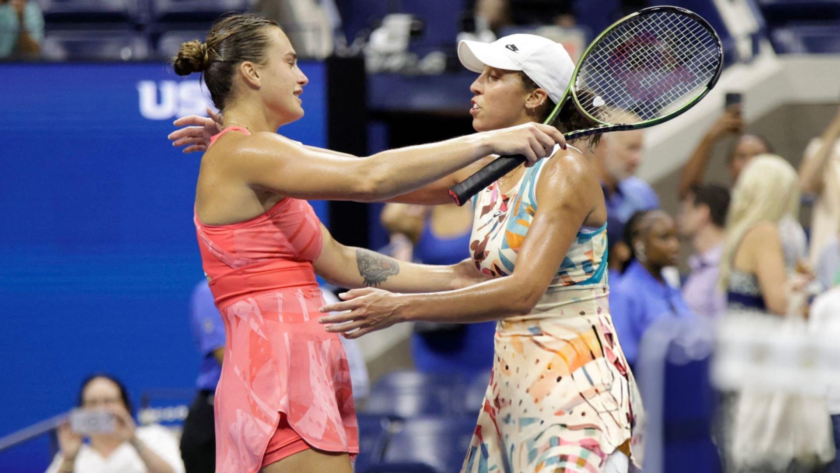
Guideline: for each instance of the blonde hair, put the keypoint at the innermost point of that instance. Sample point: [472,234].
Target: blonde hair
[766,191]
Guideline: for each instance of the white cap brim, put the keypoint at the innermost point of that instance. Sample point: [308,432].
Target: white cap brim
[475,55]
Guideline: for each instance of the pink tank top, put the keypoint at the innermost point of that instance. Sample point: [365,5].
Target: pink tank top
[274,250]
[278,358]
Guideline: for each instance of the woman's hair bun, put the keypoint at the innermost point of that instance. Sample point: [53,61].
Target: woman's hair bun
[191,58]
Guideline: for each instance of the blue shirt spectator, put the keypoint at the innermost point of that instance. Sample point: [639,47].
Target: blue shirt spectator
[631,195]
[637,301]
[21,27]
[209,333]
[643,295]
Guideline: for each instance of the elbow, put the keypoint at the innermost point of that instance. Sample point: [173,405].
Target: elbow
[371,182]
[524,300]
[777,305]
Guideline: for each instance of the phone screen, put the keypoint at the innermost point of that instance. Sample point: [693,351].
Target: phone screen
[89,421]
[733,98]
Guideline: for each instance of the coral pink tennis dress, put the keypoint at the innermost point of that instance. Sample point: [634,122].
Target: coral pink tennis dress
[278,359]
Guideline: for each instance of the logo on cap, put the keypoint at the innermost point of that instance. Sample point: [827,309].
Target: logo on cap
[512,47]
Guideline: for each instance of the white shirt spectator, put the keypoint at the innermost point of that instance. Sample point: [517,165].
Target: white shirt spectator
[825,315]
[125,458]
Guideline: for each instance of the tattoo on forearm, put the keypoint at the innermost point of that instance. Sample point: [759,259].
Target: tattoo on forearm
[375,268]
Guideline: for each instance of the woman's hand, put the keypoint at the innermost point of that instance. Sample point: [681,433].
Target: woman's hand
[731,122]
[532,140]
[197,131]
[69,442]
[369,310]
[466,275]
[125,426]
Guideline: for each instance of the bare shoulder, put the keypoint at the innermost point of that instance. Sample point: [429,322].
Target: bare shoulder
[240,151]
[761,235]
[567,171]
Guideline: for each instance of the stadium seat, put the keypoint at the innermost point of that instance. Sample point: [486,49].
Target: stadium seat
[408,394]
[374,434]
[807,39]
[439,443]
[170,42]
[94,45]
[475,393]
[92,11]
[194,10]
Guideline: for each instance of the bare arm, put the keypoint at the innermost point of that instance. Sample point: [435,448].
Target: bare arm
[219,355]
[26,43]
[763,255]
[196,132]
[562,211]
[692,175]
[351,267]
[281,166]
[812,169]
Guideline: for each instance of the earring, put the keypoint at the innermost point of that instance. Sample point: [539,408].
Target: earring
[640,252]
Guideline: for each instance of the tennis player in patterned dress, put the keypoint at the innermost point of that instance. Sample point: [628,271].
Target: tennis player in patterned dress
[284,401]
[561,397]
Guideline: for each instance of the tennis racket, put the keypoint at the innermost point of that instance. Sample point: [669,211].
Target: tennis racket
[645,69]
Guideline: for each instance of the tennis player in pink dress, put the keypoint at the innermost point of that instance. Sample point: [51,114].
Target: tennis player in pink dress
[284,401]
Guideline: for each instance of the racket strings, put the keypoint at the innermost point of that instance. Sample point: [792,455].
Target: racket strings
[648,65]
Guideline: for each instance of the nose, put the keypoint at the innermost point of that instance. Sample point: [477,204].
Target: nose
[302,79]
[476,86]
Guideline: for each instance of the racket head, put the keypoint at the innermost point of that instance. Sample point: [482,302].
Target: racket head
[646,68]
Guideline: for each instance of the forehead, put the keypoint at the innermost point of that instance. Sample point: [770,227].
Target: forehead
[101,387]
[752,142]
[279,40]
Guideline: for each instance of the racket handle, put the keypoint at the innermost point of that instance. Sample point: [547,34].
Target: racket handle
[463,192]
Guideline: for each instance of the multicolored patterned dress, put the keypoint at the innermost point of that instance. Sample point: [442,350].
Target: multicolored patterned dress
[561,397]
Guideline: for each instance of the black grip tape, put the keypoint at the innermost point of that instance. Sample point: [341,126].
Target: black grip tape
[463,192]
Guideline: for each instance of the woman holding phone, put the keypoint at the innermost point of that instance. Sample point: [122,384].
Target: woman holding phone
[561,397]
[116,442]
[284,401]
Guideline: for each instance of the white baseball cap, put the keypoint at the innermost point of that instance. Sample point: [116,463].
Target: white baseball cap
[546,62]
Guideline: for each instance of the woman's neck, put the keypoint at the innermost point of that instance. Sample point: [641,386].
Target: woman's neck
[252,118]
[105,445]
[654,270]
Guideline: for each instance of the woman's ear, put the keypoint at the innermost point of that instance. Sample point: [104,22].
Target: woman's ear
[250,74]
[536,99]
[639,249]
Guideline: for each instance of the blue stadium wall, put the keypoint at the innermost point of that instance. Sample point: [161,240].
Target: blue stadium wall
[98,251]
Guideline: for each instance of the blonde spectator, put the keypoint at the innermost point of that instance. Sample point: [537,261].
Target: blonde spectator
[819,174]
[753,264]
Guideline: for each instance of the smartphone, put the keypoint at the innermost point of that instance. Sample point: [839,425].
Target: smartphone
[91,422]
[733,98]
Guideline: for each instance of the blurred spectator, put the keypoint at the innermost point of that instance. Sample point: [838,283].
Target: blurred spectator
[311,25]
[819,174]
[441,236]
[753,270]
[825,316]
[617,157]
[198,440]
[150,448]
[21,29]
[753,263]
[642,295]
[746,147]
[702,219]
[493,15]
